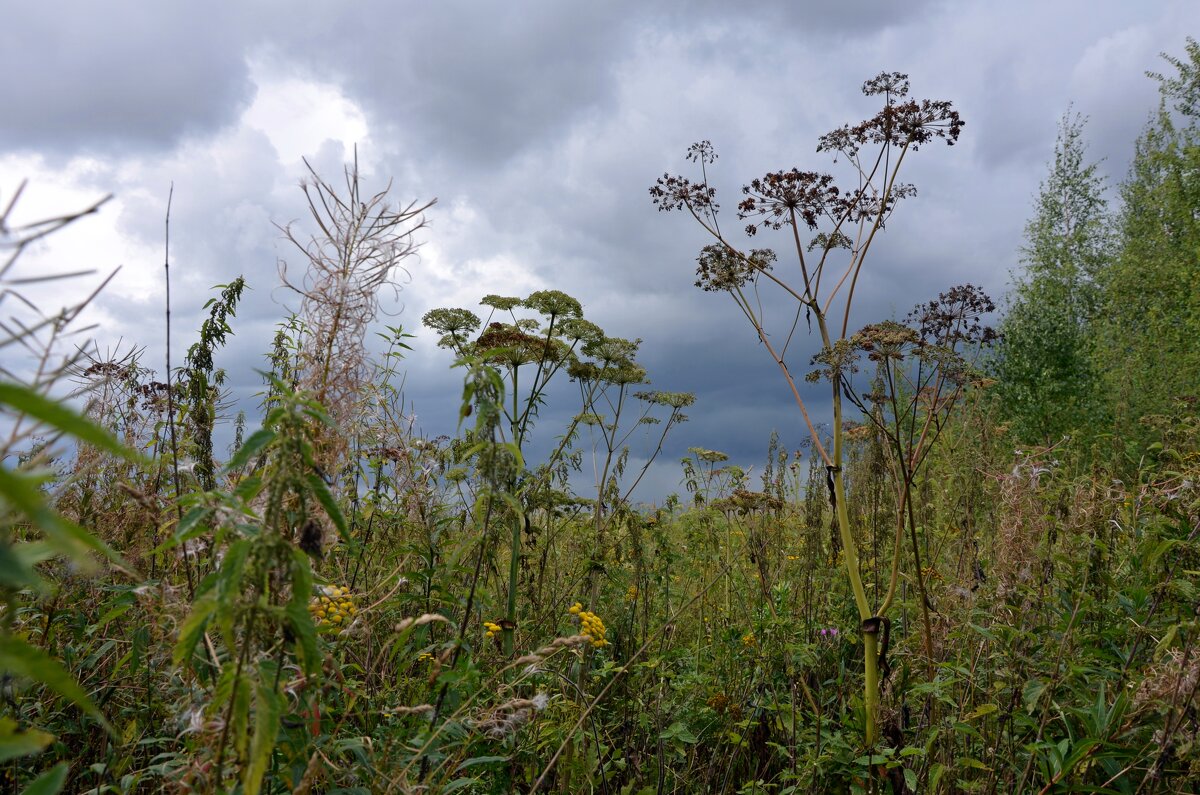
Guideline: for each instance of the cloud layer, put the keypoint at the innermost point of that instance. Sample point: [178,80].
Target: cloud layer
[539,127]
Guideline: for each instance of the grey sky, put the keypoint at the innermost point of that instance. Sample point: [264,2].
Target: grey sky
[539,127]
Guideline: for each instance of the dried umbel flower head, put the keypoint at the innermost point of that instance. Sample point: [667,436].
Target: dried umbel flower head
[902,122]
[955,317]
[886,340]
[722,267]
[671,192]
[780,197]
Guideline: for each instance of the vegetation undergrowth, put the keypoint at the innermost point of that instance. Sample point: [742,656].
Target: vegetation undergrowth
[978,574]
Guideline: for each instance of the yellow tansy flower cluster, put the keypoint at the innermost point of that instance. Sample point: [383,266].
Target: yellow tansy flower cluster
[590,625]
[334,607]
[632,593]
[492,628]
[748,640]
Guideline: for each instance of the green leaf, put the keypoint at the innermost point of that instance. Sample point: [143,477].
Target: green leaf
[250,448]
[979,712]
[14,743]
[480,760]
[18,657]
[49,783]
[58,415]
[966,761]
[267,707]
[1032,694]
[193,629]
[191,525]
[1081,750]
[935,775]
[22,491]
[324,496]
[15,573]
[679,731]
[298,616]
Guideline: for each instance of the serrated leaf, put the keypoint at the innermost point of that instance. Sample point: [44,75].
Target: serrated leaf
[980,711]
[678,731]
[14,743]
[324,496]
[1032,693]
[267,708]
[49,783]
[18,657]
[298,616]
[61,416]
[192,629]
[250,448]
[190,526]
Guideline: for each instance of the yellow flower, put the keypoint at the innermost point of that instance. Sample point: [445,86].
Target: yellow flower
[591,626]
[332,606]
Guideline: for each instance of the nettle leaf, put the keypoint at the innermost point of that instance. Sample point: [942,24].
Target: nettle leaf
[58,415]
[192,629]
[19,658]
[267,708]
[14,743]
[298,617]
[320,490]
[250,448]
[679,731]
[48,783]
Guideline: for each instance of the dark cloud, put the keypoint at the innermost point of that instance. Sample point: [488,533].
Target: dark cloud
[540,126]
[120,76]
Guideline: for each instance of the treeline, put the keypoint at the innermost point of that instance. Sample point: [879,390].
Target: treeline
[1101,339]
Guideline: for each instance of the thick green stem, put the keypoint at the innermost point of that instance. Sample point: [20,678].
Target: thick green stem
[850,551]
[510,624]
[514,559]
[871,685]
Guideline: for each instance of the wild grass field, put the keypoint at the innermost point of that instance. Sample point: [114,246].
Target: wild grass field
[979,574]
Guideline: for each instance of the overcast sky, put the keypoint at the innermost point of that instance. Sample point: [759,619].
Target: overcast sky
[539,126]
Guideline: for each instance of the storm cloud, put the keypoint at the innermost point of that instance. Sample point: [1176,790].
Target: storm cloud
[538,126]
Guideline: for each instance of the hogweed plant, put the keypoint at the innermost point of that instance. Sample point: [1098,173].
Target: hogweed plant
[923,367]
[529,353]
[831,229]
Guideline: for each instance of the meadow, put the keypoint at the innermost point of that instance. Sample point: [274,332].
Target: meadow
[979,574]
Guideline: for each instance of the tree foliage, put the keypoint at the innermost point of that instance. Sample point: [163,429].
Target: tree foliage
[1048,381]
[1149,318]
